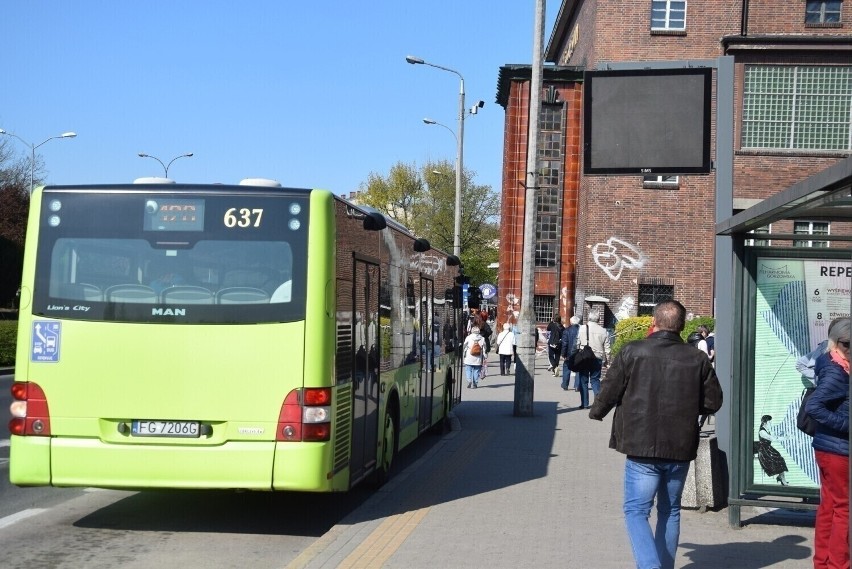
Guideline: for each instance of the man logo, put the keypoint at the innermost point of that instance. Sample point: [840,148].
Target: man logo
[168,312]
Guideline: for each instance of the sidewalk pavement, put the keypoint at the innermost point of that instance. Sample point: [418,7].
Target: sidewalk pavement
[543,491]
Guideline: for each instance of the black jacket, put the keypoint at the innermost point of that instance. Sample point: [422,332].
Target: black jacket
[658,386]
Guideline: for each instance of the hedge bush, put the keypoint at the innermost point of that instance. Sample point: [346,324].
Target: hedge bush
[636,328]
[8,335]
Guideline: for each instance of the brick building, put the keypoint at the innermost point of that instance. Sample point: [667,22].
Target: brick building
[626,242]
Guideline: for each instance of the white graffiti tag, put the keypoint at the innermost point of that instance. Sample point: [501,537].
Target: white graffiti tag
[624,309]
[616,255]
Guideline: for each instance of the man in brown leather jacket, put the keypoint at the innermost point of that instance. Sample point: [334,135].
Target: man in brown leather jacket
[658,386]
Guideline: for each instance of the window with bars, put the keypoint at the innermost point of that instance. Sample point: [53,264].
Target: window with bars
[543,306]
[811,228]
[822,12]
[668,15]
[797,107]
[759,242]
[652,293]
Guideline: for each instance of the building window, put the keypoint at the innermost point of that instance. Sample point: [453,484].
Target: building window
[543,306]
[668,15]
[551,117]
[550,145]
[549,197]
[545,254]
[797,107]
[759,242]
[547,228]
[650,294]
[822,12]
[668,182]
[811,228]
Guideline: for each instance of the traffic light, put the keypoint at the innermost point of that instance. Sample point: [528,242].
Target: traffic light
[474,297]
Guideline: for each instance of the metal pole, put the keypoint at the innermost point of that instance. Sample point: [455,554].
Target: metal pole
[33,149]
[32,168]
[525,371]
[459,173]
[165,167]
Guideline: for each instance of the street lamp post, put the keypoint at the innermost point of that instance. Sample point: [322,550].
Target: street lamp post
[457,226]
[459,149]
[33,149]
[165,166]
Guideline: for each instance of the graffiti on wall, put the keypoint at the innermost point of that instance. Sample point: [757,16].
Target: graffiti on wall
[513,305]
[625,308]
[616,255]
[563,297]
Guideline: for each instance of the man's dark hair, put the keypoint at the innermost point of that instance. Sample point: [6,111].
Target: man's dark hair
[670,315]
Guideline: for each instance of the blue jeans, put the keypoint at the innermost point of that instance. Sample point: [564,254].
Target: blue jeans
[472,374]
[566,374]
[595,377]
[642,482]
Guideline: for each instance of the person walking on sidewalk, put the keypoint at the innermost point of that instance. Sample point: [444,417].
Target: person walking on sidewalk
[474,356]
[554,342]
[569,342]
[658,387]
[593,334]
[506,348]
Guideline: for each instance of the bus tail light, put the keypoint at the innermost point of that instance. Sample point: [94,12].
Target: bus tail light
[305,416]
[30,416]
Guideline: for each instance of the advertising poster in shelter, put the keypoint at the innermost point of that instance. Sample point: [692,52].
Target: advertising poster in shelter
[796,301]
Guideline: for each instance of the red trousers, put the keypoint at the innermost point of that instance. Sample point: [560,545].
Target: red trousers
[831,533]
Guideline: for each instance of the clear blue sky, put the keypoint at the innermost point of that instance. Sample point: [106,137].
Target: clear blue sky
[312,93]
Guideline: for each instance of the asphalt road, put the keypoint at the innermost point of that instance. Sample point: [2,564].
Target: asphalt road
[79,527]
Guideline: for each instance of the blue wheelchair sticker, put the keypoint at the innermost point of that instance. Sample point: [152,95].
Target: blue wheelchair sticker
[46,341]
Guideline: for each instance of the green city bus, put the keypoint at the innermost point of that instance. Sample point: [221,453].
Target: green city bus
[225,336]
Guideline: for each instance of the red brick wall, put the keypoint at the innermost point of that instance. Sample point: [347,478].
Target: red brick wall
[788,17]
[549,282]
[623,233]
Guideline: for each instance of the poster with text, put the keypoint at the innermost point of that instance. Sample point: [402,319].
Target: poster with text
[796,301]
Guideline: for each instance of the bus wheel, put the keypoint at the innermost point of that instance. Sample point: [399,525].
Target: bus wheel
[390,443]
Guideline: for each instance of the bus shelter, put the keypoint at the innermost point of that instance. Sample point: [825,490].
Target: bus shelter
[776,294]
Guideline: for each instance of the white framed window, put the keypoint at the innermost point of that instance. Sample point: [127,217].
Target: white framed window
[822,12]
[821,228]
[797,107]
[660,181]
[760,241]
[668,15]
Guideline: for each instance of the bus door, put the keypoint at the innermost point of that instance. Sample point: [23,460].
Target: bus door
[428,341]
[365,381]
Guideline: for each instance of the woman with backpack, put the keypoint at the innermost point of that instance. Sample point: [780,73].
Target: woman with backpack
[473,351]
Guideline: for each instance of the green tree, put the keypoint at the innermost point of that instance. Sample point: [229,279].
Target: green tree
[424,201]
[14,207]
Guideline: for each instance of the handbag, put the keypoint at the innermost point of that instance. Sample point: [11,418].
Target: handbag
[584,359]
[803,420]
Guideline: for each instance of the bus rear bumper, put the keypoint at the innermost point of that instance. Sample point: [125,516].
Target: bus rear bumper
[44,461]
[90,462]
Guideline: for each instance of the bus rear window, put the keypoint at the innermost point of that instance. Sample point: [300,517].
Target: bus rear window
[171,270]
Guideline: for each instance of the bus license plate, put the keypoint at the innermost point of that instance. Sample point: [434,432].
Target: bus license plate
[141,428]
